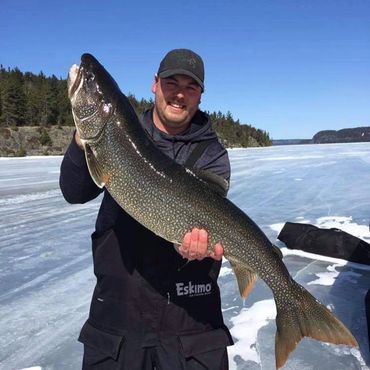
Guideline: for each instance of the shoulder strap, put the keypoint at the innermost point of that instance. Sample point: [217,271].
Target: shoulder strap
[197,153]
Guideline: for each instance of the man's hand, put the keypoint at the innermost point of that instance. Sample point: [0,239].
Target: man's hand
[194,246]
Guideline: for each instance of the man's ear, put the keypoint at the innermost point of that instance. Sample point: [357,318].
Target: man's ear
[155,83]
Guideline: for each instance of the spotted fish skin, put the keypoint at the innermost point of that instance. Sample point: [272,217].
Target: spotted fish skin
[170,200]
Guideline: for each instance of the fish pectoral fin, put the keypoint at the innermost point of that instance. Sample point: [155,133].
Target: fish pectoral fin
[216,182]
[245,276]
[95,169]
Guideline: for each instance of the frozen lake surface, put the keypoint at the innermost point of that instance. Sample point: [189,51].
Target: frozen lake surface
[46,276]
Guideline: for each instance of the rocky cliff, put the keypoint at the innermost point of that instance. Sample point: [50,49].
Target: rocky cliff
[21,141]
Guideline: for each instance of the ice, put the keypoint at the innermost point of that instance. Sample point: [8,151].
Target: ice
[249,321]
[46,275]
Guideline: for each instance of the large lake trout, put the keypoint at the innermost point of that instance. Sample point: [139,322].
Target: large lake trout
[170,200]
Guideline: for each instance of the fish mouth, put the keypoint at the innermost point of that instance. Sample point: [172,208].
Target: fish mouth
[93,75]
[76,73]
[75,79]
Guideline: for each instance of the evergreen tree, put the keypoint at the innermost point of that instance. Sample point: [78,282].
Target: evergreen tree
[64,106]
[32,100]
[51,101]
[2,78]
[13,101]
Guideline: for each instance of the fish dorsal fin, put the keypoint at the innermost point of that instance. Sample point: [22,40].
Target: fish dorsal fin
[95,169]
[245,276]
[216,182]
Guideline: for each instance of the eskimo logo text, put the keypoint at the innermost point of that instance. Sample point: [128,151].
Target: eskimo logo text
[192,290]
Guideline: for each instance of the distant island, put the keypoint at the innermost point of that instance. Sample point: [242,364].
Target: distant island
[346,135]
[291,141]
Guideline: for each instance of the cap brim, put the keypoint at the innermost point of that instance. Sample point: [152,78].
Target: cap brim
[179,71]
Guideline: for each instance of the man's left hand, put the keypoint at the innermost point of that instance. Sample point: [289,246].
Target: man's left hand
[195,246]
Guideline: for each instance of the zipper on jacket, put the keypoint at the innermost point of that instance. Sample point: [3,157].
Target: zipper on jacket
[168,298]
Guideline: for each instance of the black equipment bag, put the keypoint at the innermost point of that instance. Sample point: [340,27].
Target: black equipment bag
[328,242]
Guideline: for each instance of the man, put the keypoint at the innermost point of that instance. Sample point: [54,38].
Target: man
[155,307]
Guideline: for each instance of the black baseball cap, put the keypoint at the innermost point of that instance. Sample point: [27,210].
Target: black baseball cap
[182,62]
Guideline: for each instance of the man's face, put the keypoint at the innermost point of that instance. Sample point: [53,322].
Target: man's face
[176,100]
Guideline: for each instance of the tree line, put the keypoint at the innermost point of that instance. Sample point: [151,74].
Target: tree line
[27,99]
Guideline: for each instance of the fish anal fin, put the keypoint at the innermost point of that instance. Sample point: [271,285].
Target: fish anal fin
[307,317]
[245,277]
[95,169]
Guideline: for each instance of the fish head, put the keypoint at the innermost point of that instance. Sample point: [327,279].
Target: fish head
[91,91]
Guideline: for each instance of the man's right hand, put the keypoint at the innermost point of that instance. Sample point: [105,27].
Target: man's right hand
[195,246]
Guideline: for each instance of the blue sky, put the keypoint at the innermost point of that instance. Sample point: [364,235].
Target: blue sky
[291,68]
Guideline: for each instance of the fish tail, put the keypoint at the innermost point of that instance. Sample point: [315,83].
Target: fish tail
[305,316]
